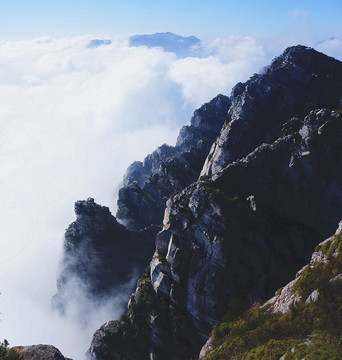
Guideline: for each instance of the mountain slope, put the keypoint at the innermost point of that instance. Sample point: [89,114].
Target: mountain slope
[273,194]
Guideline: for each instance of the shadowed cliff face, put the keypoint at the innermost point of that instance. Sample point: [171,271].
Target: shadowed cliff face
[244,231]
[148,184]
[100,255]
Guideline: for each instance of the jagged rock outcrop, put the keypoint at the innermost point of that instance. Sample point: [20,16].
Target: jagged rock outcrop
[299,80]
[147,185]
[271,190]
[100,253]
[39,352]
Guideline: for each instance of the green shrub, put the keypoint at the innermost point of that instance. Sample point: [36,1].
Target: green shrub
[278,292]
[221,330]
[8,354]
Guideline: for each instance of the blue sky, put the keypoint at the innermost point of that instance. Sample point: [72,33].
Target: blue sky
[263,19]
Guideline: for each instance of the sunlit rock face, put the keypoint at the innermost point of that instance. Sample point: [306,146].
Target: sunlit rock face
[148,184]
[100,255]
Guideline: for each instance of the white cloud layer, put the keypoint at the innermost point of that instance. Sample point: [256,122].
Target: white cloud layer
[71,120]
[231,60]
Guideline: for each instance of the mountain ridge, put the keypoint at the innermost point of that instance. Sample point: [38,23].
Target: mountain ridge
[234,226]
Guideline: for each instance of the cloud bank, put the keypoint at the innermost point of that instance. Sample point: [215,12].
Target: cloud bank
[72,119]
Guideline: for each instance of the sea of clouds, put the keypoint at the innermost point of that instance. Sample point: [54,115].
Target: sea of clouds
[72,119]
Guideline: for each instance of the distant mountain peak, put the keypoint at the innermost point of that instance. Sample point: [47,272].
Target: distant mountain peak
[182,46]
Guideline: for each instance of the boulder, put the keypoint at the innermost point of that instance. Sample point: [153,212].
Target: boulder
[39,352]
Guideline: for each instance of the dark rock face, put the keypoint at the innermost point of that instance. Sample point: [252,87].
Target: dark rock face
[114,341]
[39,352]
[299,80]
[169,169]
[101,253]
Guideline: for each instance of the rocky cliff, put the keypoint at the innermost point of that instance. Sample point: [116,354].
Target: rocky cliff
[148,184]
[270,190]
[100,254]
